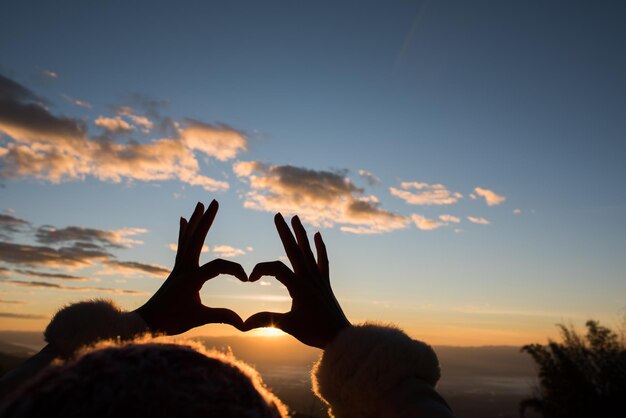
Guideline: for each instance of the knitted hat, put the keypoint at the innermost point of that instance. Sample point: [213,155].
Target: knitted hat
[146,379]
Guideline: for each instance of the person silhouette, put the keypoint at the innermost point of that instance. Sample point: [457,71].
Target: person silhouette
[368,370]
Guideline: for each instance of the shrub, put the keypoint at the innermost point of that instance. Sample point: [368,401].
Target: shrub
[583,376]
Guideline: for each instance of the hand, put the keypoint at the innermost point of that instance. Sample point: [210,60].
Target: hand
[315,317]
[176,307]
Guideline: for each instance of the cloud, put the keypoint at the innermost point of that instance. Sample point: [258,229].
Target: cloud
[49,74]
[227,251]
[62,276]
[10,225]
[12,302]
[425,224]
[491,197]
[55,286]
[370,178]
[144,122]
[517,211]
[221,141]
[35,255]
[133,267]
[115,125]
[480,221]
[56,149]
[174,247]
[14,315]
[425,194]
[321,198]
[449,219]
[119,238]
[77,102]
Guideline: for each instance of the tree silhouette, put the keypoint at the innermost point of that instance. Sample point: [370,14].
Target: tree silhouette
[583,376]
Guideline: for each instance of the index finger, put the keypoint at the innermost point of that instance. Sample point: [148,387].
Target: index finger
[289,243]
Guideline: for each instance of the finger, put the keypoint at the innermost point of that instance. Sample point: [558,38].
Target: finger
[191,227]
[276,269]
[199,235]
[181,234]
[219,266]
[208,315]
[322,255]
[303,243]
[291,247]
[264,320]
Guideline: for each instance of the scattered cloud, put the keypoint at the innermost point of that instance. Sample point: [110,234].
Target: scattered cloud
[264,283]
[50,74]
[77,102]
[425,224]
[55,148]
[517,211]
[61,276]
[415,193]
[449,219]
[227,251]
[221,141]
[174,247]
[321,198]
[36,256]
[491,197]
[133,267]
[120,238]
[142,121]
[55,286]
[370,178]
[12,302]
[10,225]
[480,221]
[14,315]
[115,125]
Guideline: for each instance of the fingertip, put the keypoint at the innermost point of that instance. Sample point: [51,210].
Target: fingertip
[199,207]
[214,204]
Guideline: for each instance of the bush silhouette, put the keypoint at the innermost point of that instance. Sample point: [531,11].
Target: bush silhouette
[583,376]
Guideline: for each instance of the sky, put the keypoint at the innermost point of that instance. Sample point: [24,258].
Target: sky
[464,161]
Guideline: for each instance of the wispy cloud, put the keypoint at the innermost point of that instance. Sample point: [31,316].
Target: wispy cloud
[56,286]
[517,211]
[424,194]
[12,302]
[134,267]
[478,220]
[10,225]
[425,224]
[38,255]
[14,315]
[227,251]
[49,74]
[370,178]
[119,238]
[491,197]
[44,275]
[115,125]
[449,219]
[77,102]
[55,148]
[321,198]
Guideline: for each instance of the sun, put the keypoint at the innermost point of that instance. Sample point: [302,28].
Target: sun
[269,332]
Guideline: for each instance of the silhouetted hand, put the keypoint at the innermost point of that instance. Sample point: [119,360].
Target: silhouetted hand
[176,307]
[315,317]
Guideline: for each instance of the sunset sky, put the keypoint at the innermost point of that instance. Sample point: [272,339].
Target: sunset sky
[464,161]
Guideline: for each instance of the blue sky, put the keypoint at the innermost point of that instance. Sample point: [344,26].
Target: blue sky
[523,99]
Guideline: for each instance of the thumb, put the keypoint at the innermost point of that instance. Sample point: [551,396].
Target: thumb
[206,315]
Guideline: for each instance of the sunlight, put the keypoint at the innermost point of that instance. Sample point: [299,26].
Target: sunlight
[269,332]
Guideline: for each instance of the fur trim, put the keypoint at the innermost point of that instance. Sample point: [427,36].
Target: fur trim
[85,323]
[367,366]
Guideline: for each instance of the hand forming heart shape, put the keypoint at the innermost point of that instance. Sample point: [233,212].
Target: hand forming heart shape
[315,316]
